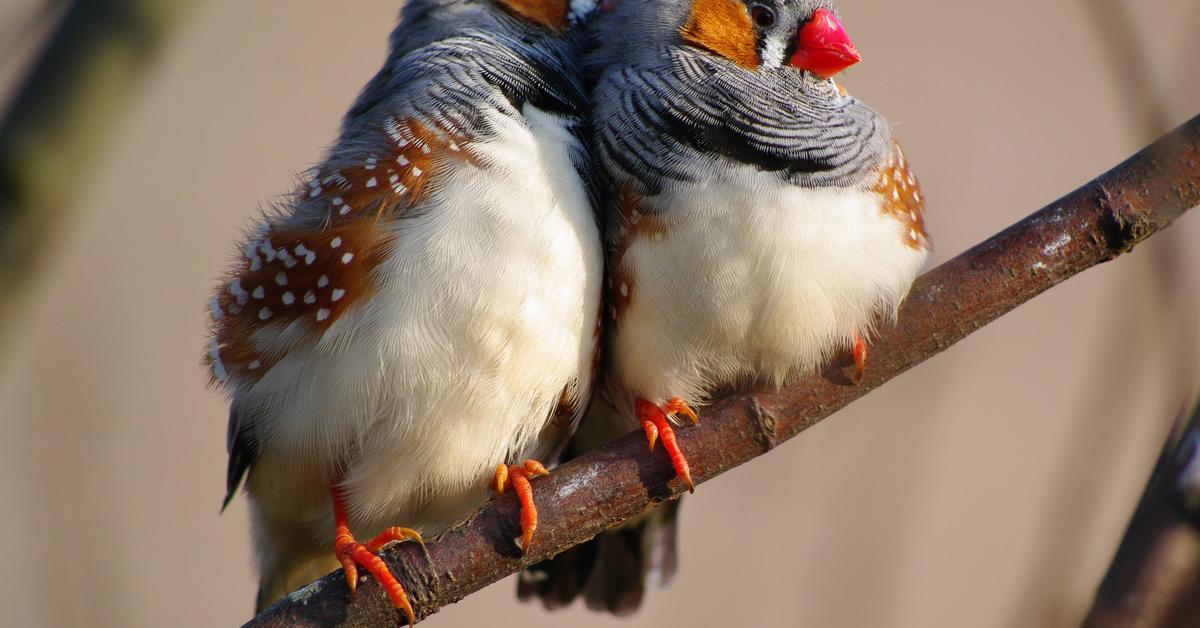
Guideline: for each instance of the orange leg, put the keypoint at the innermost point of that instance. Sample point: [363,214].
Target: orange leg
[517,476]
[353,555]
[656,424]
[860,358]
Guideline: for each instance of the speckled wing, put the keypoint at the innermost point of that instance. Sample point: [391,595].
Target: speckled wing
[312,260]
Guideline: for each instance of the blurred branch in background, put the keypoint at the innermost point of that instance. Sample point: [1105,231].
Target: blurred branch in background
[67,106]
[1071,515]
[19,26]
[1094,224]
[1129,66]
[1154,579]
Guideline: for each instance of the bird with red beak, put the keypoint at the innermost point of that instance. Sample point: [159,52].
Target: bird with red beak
[759,221]
[823,47]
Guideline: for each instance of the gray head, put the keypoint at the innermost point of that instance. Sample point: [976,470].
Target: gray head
[753,34]
[426,21]
[432,36]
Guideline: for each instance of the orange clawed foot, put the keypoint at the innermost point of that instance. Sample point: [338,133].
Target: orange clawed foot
[517,476]
[860,358]
[656,425]
[353,555]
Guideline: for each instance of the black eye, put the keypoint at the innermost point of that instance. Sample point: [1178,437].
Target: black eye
[762,15]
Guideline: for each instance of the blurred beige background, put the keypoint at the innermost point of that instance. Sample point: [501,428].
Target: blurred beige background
[988,487]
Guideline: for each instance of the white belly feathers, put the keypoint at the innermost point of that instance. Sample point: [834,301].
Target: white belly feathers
[755,279]
[483,313]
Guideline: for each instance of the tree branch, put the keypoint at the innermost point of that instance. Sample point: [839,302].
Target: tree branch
[1094,224]
[1154,580]
[81,83]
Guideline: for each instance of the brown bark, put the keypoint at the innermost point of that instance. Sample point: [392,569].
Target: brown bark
[1094,224]
[1154,579]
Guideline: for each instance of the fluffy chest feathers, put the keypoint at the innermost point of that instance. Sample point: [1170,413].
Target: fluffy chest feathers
[750,278]
[480,322]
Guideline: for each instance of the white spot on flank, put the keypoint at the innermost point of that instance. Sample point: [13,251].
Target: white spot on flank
[259,292]
[255,365]
[337,295]
[453,147]
[1058,244]
[310,258]
[281,278]
[402,160]
[912,215]
[370,165]
[416,172]
[238,293]
[372,182]
[336,242]
[310,297]
[624,289]
[344,210]
[288,298]
[895,194]
[218,367]
[337,200]
[316,191]
[264,313]
[322,314]
[255,265]
[425,148]
[301,249]
[267,250]
[912,233]
[215,307]
[1038,266]
[322,281]
[347,258]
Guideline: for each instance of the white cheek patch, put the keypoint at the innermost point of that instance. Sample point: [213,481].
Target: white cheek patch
[773,52]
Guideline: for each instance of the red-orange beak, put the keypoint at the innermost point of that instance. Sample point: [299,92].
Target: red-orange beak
[823,47]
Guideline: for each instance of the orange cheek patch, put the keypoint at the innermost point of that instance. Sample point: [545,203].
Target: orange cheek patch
[722,27]
[897,186]
[549,13]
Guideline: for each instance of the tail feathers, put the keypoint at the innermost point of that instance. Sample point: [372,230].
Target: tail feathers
[611,571]
[288,557]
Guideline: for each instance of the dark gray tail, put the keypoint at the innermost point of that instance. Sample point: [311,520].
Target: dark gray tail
[610,571]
